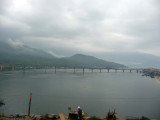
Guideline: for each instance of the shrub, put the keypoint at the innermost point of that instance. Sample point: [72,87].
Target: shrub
[1,103]
[94,118]
[142,118]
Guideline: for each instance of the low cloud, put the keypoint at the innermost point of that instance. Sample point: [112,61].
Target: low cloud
[82,26]
[15,43]
[55,55]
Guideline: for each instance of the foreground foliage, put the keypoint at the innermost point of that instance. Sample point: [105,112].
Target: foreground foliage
[142,118]
[94,118]
[1,103]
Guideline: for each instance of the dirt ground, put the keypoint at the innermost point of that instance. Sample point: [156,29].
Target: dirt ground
[43,117]
[40,117]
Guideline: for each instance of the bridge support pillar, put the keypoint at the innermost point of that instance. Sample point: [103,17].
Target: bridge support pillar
[35,68]
[74,69]
[137,71]
[123,70]
[45,68]
[115,70]
[92,69]
[64,69]
[55,69]
[108,70]
[83,70]
[1,68]
[24,68]
[100,70]
[130,70]
[12,68]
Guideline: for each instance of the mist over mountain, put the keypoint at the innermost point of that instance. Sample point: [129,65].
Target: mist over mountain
[86,27]
[14,48]
[12,53]
[17,53]
[132,59]
[90,61]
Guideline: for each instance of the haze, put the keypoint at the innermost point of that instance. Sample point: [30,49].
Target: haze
[92,27]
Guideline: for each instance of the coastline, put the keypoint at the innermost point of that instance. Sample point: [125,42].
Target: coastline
[157,78]
[60,116]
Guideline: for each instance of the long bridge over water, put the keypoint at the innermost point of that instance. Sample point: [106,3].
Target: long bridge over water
[10,67]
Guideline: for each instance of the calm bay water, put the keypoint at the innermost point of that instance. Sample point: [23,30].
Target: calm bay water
[129,93]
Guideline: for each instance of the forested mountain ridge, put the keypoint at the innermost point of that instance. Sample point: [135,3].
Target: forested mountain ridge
[26,55]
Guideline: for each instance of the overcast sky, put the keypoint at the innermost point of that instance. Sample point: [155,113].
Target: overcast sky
[66,27]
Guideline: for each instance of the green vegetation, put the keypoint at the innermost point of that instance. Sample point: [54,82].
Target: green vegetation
[69,108]
[142,118]
[90,61]
[155,73]
[30,56]
[1,103]
[74,61]
[94,118]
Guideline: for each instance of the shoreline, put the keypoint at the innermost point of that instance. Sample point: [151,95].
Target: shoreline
[157,78]
[59,116]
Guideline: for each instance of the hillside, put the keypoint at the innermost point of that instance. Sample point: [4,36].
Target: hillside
[18,50]
[22,54]
[133,59]
[90,61]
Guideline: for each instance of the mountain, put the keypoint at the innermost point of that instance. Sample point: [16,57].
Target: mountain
[22,54]
[10,48]
[90,61]
[133,59]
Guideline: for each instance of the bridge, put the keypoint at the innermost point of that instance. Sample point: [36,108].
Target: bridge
[11,67]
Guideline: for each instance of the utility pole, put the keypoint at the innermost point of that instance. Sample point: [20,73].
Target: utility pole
[83,70]
[30,99]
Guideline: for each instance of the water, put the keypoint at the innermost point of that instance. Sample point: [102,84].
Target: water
[129,93]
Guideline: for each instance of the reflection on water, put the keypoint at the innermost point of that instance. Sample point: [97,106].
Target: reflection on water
[129,93]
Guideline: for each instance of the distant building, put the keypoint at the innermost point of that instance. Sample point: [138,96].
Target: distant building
[155,70]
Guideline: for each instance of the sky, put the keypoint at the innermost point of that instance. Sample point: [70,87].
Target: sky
[67,27]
